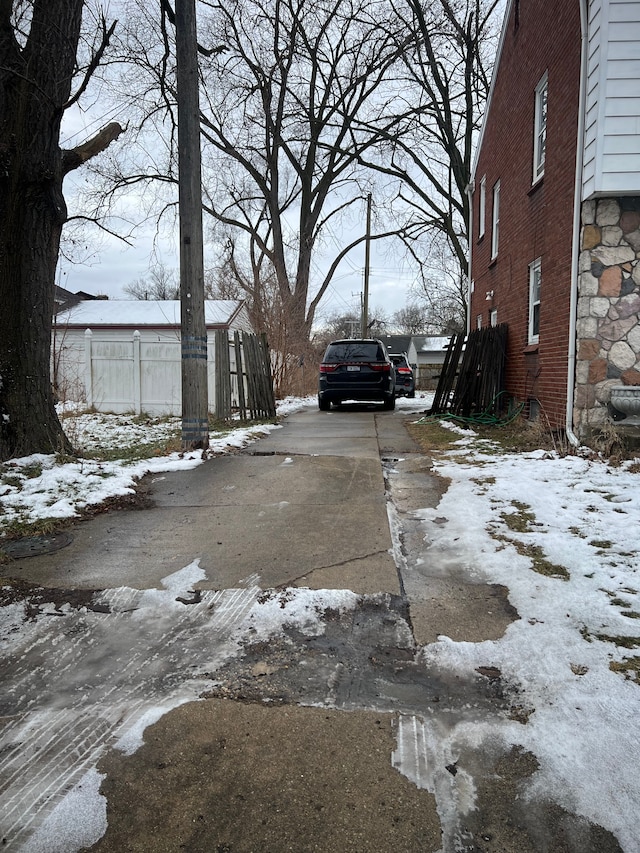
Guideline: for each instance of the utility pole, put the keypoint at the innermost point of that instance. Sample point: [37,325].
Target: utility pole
[367,262]
[195,404]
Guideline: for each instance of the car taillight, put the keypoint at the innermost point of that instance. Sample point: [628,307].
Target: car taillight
[381,368]
[328,368]
[403,369]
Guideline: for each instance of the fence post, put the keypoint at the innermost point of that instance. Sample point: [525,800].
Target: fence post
[88,368]
[137,400]
[237,342]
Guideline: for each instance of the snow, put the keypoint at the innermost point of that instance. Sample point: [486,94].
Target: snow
[143,312]
[580,512]
[584,517]
[77,822]
[41,486]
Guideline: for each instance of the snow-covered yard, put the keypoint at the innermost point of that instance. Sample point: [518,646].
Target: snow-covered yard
[43,486]
[563,535]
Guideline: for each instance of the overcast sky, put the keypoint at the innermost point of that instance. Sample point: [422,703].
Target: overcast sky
[107,264]
[113,265]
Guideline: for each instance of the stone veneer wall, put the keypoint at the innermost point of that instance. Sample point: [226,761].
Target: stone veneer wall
[608,325]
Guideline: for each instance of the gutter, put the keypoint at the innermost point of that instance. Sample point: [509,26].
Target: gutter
[577,209]
[469,191]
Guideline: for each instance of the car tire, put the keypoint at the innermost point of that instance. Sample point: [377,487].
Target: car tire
[323,405]
[411,394]
[390,404]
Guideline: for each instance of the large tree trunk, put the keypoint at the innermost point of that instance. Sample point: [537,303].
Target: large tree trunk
[35,84]
[32,215]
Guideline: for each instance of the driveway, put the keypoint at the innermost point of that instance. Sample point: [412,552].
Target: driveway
[236,666]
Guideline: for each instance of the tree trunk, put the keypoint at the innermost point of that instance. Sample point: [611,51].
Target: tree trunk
[35,84]
[32,214]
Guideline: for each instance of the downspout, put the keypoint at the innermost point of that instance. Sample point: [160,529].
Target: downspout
[577,218]
[469,191]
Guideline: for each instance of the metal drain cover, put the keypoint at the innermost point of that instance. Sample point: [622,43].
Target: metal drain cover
[34,546]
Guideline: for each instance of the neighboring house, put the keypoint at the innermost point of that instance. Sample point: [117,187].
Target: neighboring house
[125,355]
[430,355]
[400,344]
[555,236]
[425,354]
[65,299]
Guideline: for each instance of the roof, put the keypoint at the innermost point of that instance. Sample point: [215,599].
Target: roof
[396,343]
[132,313]
[429,344]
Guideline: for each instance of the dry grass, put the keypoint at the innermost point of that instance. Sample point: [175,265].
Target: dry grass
[516,437]
[630,667]
[539,561]
[522,435]
[431,436]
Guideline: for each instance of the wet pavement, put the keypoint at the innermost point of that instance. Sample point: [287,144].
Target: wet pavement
[238,666]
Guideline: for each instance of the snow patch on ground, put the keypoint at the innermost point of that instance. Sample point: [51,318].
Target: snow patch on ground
[77,822]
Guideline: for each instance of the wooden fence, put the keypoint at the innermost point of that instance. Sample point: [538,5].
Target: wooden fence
[243,383]
[476,385]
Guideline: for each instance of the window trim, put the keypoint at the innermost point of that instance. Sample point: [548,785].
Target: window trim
[540,127]
[495,220]
[482,207]
[535,287]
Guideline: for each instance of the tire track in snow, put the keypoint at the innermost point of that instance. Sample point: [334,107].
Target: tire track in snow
[84,680]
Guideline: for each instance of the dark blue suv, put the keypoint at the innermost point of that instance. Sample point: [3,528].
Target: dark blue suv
[356,370]
[405,380]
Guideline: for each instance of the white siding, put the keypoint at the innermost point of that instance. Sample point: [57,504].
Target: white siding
[592,99]
[612,121]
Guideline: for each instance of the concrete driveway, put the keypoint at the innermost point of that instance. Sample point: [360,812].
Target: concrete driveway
[154,706]
[304,505]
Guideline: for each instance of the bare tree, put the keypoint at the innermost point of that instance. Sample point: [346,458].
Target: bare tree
[413,319]
[280,146]
[429,153]
[441,288]
[161,283]
[340,325]
[41,56]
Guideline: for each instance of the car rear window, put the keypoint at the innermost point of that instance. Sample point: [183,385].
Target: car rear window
[399,359]
[354,351]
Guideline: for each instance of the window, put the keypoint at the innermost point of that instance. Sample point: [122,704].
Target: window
[540,129]
[493,317]
[495,221]
[479,321]
[535,279]
[481,210]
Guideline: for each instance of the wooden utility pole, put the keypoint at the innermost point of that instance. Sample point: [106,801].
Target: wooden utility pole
[367,263]
[195,404]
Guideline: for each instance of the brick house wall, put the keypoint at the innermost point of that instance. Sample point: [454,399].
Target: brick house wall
[536,219]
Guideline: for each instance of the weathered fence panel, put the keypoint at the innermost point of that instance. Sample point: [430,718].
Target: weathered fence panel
[448,374]
[481,378]
[244,380]
[476,384]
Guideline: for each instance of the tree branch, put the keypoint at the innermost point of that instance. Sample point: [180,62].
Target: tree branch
[75,157]
[93,64]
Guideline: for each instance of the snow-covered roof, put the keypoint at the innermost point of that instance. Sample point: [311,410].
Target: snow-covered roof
[429,344]
[142,313]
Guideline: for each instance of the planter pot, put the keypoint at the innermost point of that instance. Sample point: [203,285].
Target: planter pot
[626,399]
